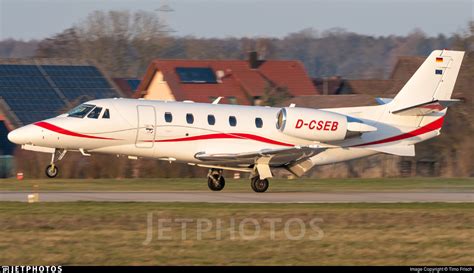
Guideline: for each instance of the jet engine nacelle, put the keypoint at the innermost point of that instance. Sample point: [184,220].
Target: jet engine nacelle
[312,124]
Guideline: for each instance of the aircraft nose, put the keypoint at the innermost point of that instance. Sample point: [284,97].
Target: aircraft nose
[21,135]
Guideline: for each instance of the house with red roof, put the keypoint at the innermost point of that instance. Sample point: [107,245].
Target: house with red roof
[237,81]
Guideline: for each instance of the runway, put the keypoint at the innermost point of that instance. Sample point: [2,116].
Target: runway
[244,197]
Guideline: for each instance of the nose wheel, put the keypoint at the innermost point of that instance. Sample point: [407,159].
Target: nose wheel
[215,180]
[51,171]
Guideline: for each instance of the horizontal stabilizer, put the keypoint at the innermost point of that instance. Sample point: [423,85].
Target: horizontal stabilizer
[383,101]
[426,108]
[399,149]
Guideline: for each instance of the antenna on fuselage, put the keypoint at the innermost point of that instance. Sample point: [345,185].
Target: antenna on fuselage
[216,101]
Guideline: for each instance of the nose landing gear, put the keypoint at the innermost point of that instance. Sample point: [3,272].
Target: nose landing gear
[52,170]
[215,180]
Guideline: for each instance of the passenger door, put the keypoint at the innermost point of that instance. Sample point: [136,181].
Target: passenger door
[146,129]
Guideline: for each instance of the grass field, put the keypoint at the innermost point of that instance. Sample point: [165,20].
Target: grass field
[94,233]
[350,234]
[241,185]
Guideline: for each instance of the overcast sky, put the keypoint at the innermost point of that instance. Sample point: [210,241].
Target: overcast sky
[37,19]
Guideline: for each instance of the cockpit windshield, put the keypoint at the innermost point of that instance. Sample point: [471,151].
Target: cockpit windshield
[80,111]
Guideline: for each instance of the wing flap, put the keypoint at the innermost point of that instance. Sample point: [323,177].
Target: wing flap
[280,156]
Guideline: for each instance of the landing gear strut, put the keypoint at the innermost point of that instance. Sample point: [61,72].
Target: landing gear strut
[52,170]
[215,180]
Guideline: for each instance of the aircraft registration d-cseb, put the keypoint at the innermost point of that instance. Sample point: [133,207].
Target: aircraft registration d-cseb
[254,139]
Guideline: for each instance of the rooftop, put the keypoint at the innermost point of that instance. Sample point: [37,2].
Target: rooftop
[332,101]
[36,89]
[200,80]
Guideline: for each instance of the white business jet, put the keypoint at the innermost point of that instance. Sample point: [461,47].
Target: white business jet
[252,139]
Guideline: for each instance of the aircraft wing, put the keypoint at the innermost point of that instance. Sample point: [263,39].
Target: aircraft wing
[277,157]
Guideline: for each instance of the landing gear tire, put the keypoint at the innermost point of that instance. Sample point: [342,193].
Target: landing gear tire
[216,182]
[259,185]
[51,171]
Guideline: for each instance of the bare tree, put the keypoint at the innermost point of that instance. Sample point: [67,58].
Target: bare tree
[275,95]
[120,41]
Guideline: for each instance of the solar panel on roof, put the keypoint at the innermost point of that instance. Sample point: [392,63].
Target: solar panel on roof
[28,117]
[80,82]
[133,83]
[31,97]
[21,81]
[196,75]
[19,70]
[99,93]
[71,71]
[32,104]
[27,93]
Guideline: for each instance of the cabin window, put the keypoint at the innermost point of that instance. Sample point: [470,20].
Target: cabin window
[80,111]
[258,122]
[95,113]
[106,114]
[211,119]
[232,121]
[168,117]
[189,118]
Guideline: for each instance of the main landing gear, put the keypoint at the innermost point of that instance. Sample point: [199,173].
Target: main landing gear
[52,170]
[216,181]
[259,185]
[258,177]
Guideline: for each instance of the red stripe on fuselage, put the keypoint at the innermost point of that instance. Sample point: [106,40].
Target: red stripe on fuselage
[228,136]
[63,131]
[437,124]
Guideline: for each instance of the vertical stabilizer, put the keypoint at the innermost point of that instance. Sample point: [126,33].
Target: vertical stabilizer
[434,80]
